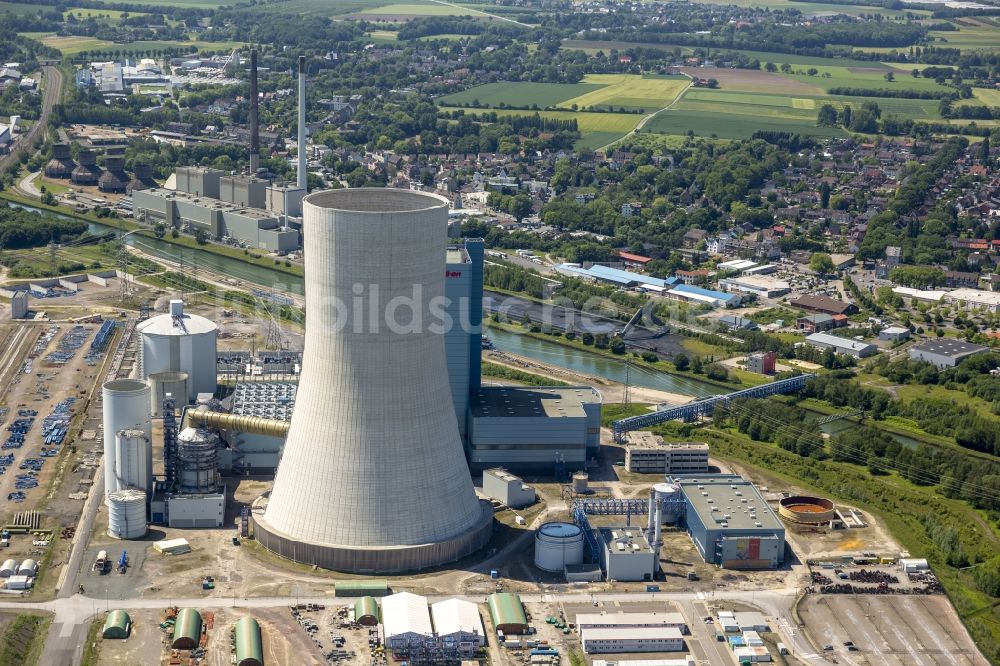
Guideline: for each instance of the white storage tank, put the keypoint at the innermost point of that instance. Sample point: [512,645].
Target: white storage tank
[133,460]
[197,460]
[125,406]
[127,514]
[174,383]
[28,568]
[558,544]
[671,501]
[580,480]
[179,342]
[9,568]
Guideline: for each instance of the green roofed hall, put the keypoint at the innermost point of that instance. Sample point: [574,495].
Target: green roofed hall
[187,630]
[117,625]
[249,649]
[366,611]
[362,588]
[507,613]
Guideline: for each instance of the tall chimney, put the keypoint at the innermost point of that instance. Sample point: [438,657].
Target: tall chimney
[302,123]
[254,121]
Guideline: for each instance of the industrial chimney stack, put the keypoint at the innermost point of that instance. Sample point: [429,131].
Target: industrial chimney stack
[302,123]
[254,120]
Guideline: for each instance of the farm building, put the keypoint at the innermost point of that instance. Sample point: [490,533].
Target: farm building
[117,625]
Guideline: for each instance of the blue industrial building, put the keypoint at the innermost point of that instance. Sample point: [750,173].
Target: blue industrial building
[730,523]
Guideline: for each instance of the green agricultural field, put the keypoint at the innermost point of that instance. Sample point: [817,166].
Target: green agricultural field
[987,97]
[81,12]
[732,125]
[201,4]
[420,9]
[522,94]
[383,36]
[596,129]
[73,45]
[980,36]
[872,75]
[629,91]
[818,8]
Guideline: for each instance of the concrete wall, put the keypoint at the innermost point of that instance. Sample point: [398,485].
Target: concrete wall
[527,443]
[196,510]
[202,182]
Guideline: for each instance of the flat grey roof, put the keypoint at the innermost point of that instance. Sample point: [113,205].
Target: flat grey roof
[630,536]
[714,496]
[457,255]
[269,400]
[528,401]
[949,347]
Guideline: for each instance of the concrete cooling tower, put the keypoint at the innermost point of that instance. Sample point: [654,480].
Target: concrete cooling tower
[372,476]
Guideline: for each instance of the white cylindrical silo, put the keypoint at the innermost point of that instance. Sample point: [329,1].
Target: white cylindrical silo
[670,500]
[9,568]
[174,383]
[126,406]
[127,514]
[179,342]
[133,460]
[580,480]
[197,460]
[558,544]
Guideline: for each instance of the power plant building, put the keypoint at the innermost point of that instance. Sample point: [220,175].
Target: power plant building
[647,453]
[507,489]
[730,523]
[527,428]
[372,476]
[626,555]
[177,341]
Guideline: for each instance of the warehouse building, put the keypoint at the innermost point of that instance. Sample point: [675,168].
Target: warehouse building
[507,613]
[945,352]
[756,284]
[692,294]
[855,348]
[626,554]
[820,303]
[457,621]
[631,621]
[509,490]
[406,621]
[619,640]
[647,453]
[974,299]
[687,660]
[730,523]
[527,428]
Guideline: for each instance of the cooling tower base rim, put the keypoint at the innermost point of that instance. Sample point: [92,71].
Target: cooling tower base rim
[377,559]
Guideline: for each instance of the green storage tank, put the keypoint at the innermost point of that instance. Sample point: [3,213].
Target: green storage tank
[249,650]
[366,611]
[117,625]
[187,630]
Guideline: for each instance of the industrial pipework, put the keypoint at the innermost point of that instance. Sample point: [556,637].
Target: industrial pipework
[254,425]
[302,123]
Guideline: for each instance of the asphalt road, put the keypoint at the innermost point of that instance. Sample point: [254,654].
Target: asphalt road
[53,86]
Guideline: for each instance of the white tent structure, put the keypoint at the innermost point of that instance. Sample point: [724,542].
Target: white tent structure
[406,620]
[458,620]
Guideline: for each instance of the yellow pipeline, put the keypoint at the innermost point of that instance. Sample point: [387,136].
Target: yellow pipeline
[256,425]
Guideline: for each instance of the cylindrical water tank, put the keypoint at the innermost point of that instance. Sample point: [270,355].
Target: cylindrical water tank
[580,482]
[558,544]
[28,568]
[8,569]
[133,460]
[180,342]
[127,514]
[197,460]
[671,500]
[126,406]
[170,382]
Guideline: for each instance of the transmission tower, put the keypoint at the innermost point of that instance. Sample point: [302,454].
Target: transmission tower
[123,265]
[273,340]
[627,399]
[53,247]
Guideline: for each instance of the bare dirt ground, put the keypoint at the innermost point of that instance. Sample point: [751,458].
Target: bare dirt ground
[889,630]
[751,81]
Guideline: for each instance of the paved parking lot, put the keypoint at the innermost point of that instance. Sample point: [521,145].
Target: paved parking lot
[889,630]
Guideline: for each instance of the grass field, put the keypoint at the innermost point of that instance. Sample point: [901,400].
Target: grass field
[596,129]
[969,38]
[81,12]
[630,91]
[728,124]
[818,8]
[521,93]
[73,45]
[987,97]
[419,9]
[383,36]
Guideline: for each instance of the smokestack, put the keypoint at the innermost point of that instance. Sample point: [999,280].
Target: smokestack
[254,121]
[302,123]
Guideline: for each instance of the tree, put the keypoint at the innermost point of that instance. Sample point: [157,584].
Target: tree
[200,236]
[713,83]
[812,71]
[159,230]
[846,115]
[771,67]
[827,116]
[696,365]
[890,77]
[821,263]
[824,195]
[681,362]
